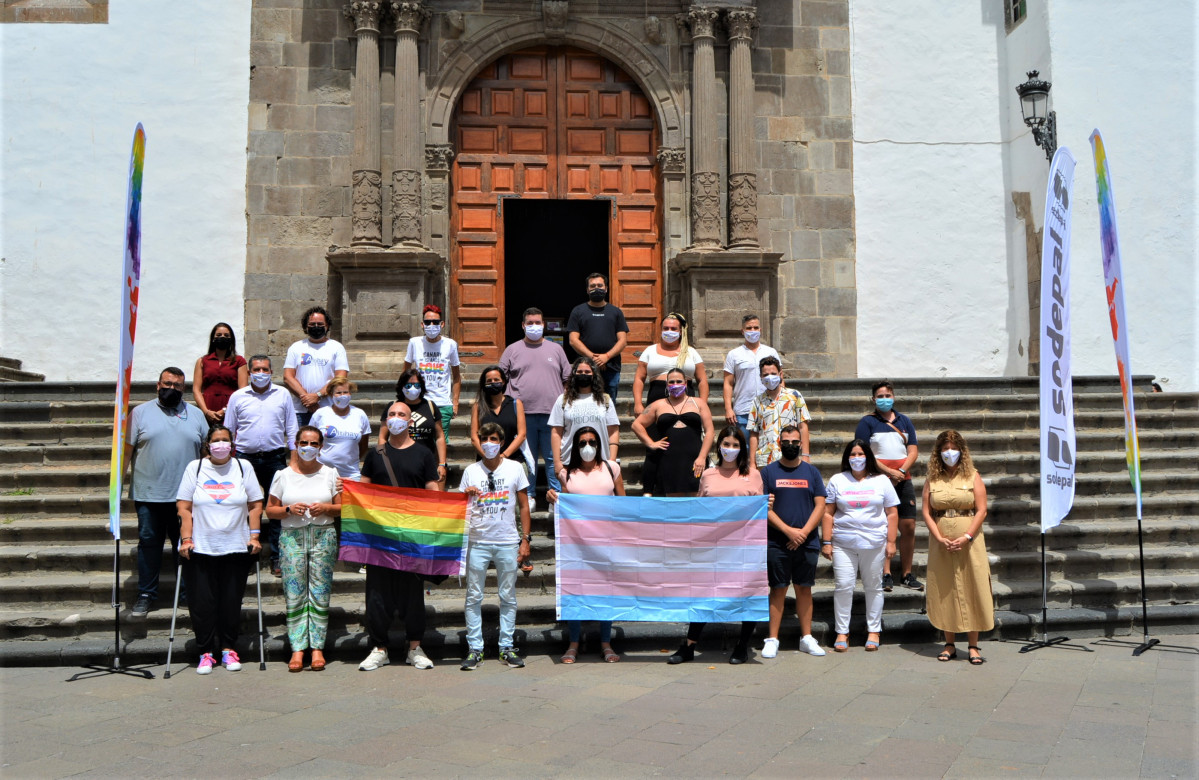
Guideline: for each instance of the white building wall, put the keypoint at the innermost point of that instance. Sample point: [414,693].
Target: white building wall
[72,97]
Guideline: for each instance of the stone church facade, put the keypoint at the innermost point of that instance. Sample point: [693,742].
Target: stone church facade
[486,155]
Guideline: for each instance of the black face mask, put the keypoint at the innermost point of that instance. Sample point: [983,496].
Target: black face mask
[583,381]
[493,389]
[317,331]
[222,342]
[597,295]
[790,449]
[169,397]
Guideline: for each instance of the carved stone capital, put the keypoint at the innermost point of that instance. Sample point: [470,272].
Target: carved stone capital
[365,15]
[741,23]
[554,13]
[705,209]
[367,213]
[702,21]
[438,156]
[408,15]
[743,210]
[672,160]
[405,207]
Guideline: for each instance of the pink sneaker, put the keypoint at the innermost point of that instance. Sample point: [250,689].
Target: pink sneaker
[230,660]
[206,663]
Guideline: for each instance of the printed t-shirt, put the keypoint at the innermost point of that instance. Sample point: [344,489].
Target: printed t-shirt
[768,417]
[292,487]
[890,448]
[656,364]
[342,435]
[220,497]
[491,514]
[422,425]
[434,360]
[860,522]
[598,328]
[794,492]
[414,466]
[598,482]
[713,483]
[164,442]
[742,363]
[536,373]
[584,411]
[315,365]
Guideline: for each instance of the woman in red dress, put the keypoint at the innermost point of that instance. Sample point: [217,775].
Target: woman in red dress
[218,374]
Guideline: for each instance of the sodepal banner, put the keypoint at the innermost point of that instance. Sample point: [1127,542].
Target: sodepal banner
[1057,396]
[1113,283]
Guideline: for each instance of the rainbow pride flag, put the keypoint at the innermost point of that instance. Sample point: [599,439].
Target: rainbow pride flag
[422,531]
[661,559]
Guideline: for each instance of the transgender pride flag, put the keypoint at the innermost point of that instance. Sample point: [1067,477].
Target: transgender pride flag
[661,559]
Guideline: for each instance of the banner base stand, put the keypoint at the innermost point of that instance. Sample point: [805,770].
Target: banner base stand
[1057,641]
[1147,644]
[95,670]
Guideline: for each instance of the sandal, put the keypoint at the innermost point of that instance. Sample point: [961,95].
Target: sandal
[841,645]
[611,656]
[296,664]
[318,664]
[872,644]
[569,656]
[977,660]
[948,654]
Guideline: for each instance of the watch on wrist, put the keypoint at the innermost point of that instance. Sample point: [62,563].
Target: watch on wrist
[527,538]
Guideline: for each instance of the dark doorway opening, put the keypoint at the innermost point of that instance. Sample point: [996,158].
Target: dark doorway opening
[550,246]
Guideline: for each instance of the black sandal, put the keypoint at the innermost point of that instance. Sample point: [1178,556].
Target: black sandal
[949,653]
[977,660]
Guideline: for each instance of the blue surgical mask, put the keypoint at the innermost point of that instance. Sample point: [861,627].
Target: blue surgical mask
[884,404]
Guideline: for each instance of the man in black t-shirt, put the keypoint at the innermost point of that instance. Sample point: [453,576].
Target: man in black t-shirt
[388,590]
[598,330]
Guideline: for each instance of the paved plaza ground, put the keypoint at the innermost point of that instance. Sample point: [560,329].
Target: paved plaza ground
[896,713]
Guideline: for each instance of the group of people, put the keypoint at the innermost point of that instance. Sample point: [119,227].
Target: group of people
[253,465]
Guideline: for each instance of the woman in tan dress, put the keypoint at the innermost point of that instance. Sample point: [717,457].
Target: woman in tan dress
[959,575]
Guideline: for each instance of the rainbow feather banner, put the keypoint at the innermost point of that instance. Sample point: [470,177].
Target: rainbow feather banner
[1113,282]
[422,531]
[130,286]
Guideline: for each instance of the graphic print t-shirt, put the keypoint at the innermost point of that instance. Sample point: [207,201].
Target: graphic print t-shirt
[220,496]
[434,359]
[314,365]
[584,411]
[794,492]
[342,435]
[860,522]
[492,514]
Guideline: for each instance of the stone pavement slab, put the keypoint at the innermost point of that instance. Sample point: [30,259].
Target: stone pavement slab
[897,713]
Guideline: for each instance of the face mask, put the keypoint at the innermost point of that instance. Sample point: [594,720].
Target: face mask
[951,457]
[790,449]
[412,392]
[170,397]
[396,425]
[587,453]
[432,331]
[261,379]
[884,404]
[857,464]
[341,401]
[752,336]
[597,295]
[220,449]
[676,391]
[729,453]
[308,452]
[772,381]
[582,381]
[317,332]
[493,388]
[491,449]
[534,332]
[671,336]
[222,342]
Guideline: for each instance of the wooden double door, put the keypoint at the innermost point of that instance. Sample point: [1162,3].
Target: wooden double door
[568,126]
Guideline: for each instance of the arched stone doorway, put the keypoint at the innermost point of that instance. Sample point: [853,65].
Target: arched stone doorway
[556,154]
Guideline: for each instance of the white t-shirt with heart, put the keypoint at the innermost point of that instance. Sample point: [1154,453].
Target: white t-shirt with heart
[220,497]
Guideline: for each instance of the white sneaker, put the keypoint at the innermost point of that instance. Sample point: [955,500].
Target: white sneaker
[373,661]
[810,646]
[416,657]
[770,648]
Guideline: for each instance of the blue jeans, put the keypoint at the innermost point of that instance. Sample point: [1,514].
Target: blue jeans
[576,631]
[742,422]
[477,557]
[156,520]
[612,381]
[537,433]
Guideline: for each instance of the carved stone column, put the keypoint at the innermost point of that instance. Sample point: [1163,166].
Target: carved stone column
[367,214]
[743,177]
[706,232]
[409,154]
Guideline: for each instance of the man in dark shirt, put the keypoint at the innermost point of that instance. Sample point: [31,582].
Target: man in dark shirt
[408,465]
[598,331]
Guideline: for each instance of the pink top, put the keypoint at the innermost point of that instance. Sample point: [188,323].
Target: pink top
[713,483]
[598,482]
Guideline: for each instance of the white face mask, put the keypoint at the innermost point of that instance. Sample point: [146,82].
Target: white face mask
[491,449]
[412,393]
[772,381]
[261,379]
[587,453]
[220,449]
[308,452]
[729,453]
[671,336]
[752,336]
[341,401]
[534,332]
[858,464]
[951,457]
[396,425]
[432,331]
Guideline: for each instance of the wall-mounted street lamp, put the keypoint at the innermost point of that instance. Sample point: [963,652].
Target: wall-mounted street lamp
[1034,105]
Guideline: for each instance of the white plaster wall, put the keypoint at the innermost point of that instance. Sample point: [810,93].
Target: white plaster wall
[72,97]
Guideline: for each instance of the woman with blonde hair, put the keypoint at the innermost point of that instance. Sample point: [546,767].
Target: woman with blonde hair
[959,575]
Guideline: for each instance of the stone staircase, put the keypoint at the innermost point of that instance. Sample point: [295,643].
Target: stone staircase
[56,553]
[10,371]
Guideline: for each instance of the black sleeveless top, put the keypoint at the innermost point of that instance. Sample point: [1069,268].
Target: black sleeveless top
[506,418]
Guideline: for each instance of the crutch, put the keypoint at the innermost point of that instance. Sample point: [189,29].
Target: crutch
[261,632]
[174,611]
